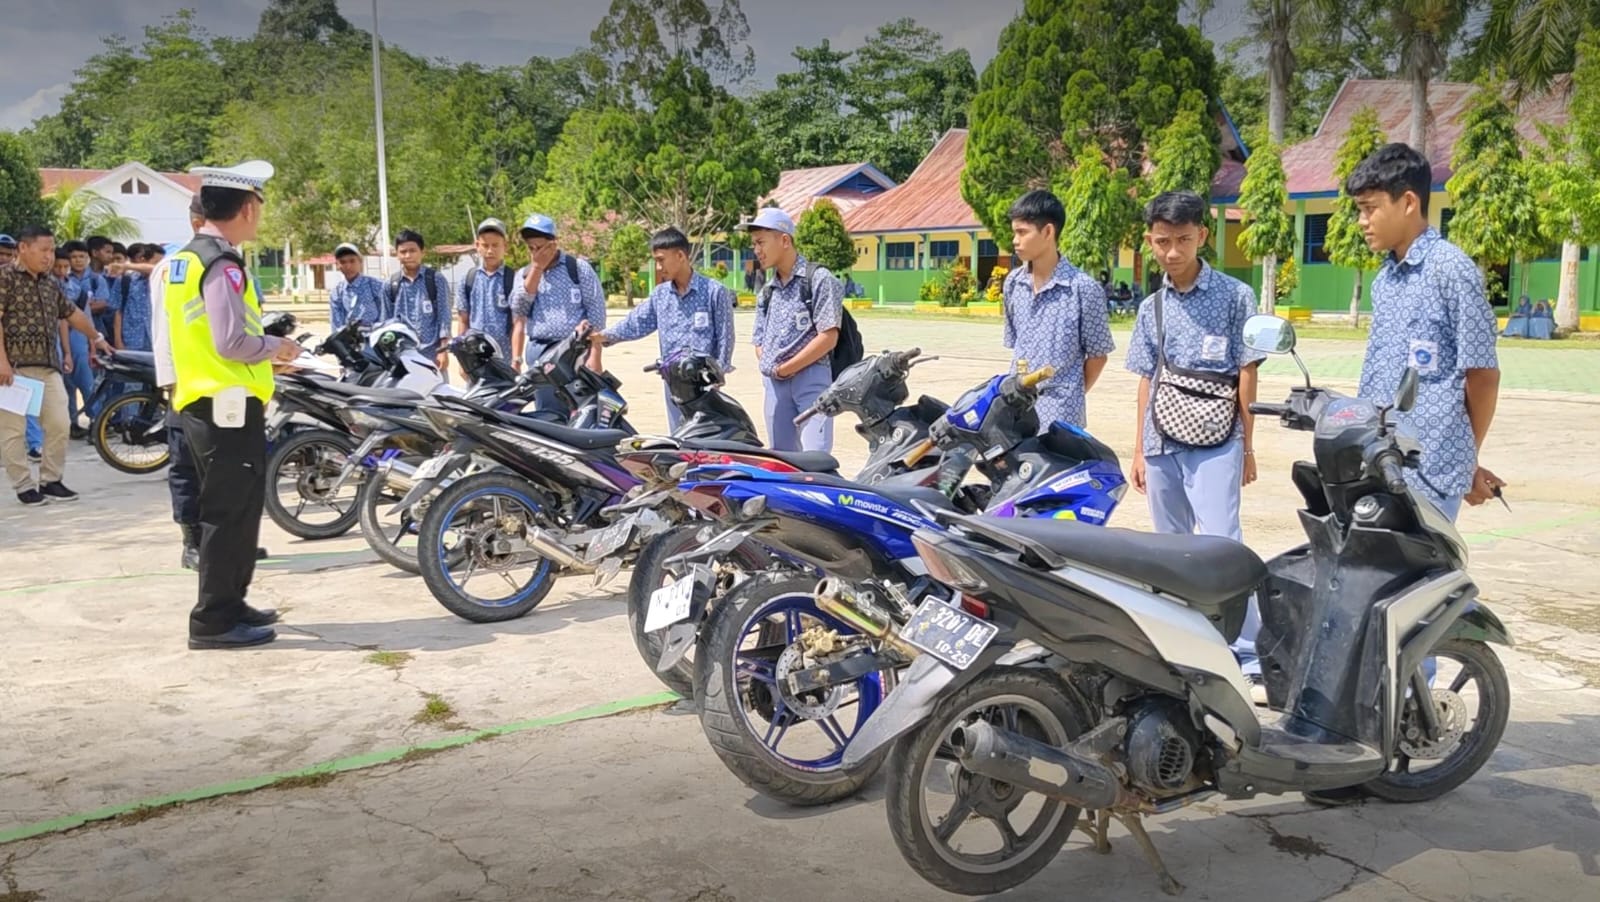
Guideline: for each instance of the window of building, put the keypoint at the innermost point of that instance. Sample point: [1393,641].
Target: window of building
[900,255]
[987,248]
[722,254]
[1316,238]
[135,186]
[1445,216]
[943,253]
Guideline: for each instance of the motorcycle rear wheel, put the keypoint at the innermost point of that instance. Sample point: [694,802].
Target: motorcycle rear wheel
[313,456]
[125,416]
[472,511]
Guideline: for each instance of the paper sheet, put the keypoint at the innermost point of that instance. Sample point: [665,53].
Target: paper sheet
[24,396]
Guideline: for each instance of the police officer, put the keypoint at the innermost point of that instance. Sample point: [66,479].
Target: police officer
[224,381]
[797,324]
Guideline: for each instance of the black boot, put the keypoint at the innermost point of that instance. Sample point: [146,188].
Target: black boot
[191,546]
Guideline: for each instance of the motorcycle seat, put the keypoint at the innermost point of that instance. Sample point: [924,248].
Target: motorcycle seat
[1205,572]
[582,439]
[1063,441]
[135,358]
[806,461]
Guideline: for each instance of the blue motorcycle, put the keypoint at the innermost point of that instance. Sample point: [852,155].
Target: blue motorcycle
[789,670]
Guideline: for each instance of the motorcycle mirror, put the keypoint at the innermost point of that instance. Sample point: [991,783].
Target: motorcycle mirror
[1405,397]
[1269,334]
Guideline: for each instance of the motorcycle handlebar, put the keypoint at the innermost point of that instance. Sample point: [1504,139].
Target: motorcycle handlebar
[1269,410]
[805,415]
[1389,468]
[653,368]
[1029,380]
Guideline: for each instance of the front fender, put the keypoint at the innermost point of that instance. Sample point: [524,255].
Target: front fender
[1480,624]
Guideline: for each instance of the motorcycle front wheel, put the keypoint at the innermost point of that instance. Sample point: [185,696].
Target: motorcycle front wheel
[384,533]
[130,433]
[300,474]
[970,834]
[784,745]
[649,574]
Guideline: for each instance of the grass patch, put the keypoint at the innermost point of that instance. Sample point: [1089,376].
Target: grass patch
[143,813]
[394,660]
[435,710]
[418,754]
[21,895]
[303,781]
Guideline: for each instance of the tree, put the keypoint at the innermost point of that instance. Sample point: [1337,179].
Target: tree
[1533,41]
[628,253]
[904,77]
[564,192]
[82,212]
[20,201]
[1425,29]
[1107,71]
[1269,229]
[1346,244]
[1100,208]
[1184,156]
[1566,173]
[301,21]
[640,40]
[692,158]
[1496,219]
[822,237]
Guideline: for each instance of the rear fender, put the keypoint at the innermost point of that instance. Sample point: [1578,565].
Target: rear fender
[921,687]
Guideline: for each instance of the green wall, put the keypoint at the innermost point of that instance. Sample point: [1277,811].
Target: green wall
[899,286]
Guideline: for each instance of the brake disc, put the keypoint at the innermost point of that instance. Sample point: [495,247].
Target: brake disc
[1452,724]
[812,705]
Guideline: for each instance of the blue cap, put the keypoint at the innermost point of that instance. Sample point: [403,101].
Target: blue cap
[7,241]
[771,218]
[539,222]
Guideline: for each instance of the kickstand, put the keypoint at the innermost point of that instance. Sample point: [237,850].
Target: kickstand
[1135,825]
[1094,825]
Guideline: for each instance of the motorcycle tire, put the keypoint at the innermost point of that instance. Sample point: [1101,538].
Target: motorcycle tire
[376,496]
[648,576]
[435,562]
[105,428]
[1055,715]
[723,701]
[1476,745]
[315,443]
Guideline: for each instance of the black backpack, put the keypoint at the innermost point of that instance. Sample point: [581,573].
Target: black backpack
[568,260]
[429,284]
[848,350]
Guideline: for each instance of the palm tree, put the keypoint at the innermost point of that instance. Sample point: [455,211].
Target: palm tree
[82,212]
[1425,29]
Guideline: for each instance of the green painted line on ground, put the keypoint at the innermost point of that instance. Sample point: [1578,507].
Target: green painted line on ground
[1529,529]
[105,580]
[336,766]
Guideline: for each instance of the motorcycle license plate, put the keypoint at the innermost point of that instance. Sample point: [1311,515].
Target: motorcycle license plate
[610,539]
[430,469]
[948,633]
[670,604]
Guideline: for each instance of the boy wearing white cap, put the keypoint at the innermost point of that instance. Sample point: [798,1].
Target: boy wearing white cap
[223,383]
[360,297]
[483,301]
[798,316]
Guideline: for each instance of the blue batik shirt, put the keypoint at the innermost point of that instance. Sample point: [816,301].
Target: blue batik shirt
[1430,311]
[555,310]
[430,319]
[1062,325]
[85,287]
[361,298]
[785,324]
[1204,329]
[132,299]
[699,321]
[488,305]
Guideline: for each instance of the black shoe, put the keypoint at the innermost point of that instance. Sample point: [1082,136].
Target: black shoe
[241,636]
[259,616]
[261,554]
[77,432]
[32,498]
[35,455]
[191,557]
[1336,798]
[56,491]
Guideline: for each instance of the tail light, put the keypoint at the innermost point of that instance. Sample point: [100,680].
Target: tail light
[946,568]
[702,458]
[707,498]
[974,607]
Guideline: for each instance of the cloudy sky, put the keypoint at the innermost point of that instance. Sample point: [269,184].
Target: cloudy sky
[43,43]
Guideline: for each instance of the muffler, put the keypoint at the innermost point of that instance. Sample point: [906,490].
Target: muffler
[548,546]
[837,598]
[398,474]
[1012,758]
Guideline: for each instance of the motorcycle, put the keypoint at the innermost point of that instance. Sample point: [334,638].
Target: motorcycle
[1130,703]
[313,468]
[874,390]
[781,654]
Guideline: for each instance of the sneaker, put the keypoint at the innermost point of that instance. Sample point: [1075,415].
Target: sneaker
[35,455]
[78,432]
[56,491]
[1258,689]
[31,498]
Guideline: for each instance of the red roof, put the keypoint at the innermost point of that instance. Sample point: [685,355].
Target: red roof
[1310,164]
[52,178]
[798,189]
[929,200]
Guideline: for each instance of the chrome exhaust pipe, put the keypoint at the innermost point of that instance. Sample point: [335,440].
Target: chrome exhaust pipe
[551,548]
[398,474]
[837,598]
[1050,771]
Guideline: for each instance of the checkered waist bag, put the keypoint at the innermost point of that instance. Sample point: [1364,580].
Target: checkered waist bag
[1196,408]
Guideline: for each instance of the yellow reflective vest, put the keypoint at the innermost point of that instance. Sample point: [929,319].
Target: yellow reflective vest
[201,371]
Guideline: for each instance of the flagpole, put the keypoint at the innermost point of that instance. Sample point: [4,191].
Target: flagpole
[383,169]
